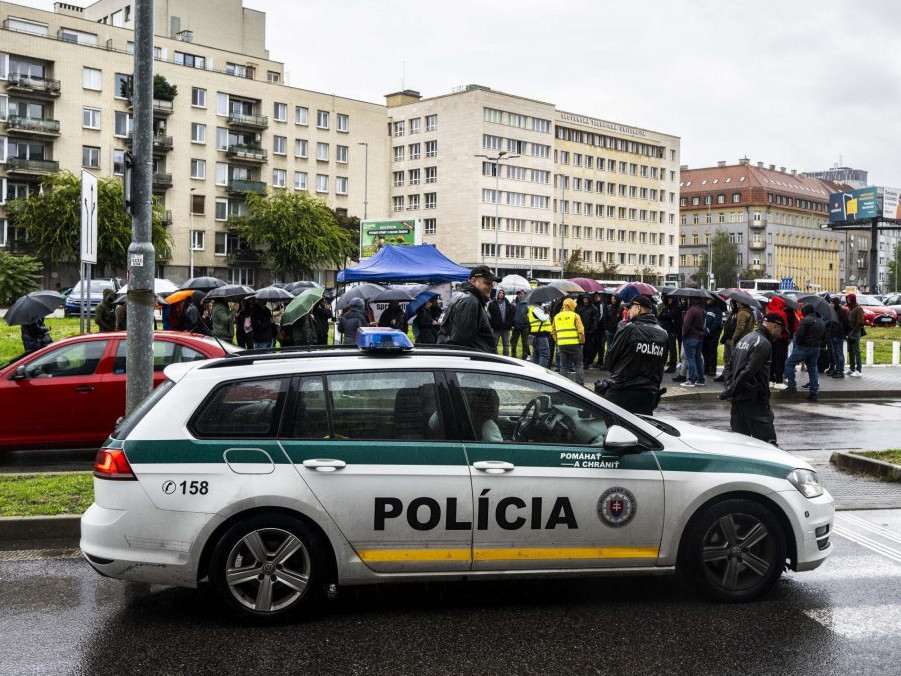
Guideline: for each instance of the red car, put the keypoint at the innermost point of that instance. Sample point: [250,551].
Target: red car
[70,393]
[874,312]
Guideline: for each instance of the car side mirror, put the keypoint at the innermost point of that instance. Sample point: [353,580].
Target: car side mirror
[19,373]
[618,437]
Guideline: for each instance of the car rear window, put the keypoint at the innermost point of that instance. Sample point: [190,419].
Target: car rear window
[129,422]
[241,410]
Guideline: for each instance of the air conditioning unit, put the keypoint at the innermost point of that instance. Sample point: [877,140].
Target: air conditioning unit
[185,36]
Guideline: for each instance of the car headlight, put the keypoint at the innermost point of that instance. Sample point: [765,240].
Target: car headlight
[807,482]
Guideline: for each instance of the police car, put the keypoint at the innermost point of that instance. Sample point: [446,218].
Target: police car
[277,475]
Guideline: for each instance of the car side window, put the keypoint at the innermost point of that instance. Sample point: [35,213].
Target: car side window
[80,359]
[241,410]
[402,406]
[513,410]
[165,352]
[307,416]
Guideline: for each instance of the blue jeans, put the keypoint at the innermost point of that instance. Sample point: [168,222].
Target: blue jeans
[261,346]
[608,337]
[807,355]
[540,350]
[838,355]
[694,359]
[854,351]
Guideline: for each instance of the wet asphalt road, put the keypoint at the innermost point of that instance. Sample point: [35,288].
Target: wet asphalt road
[59,617]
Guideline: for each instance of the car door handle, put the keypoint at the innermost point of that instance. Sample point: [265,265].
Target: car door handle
[324,464]
[493,466]
[85,388]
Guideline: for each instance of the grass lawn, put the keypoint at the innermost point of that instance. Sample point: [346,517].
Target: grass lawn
[893,456]
[46,495]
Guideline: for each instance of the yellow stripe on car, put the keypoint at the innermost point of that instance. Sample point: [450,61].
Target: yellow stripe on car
[531,553]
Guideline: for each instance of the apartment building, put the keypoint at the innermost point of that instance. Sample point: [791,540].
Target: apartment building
[775,218]
[504,180]
[234,127]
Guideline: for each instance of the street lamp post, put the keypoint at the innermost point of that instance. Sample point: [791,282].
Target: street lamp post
[501,155]
[365,179]
[191,237]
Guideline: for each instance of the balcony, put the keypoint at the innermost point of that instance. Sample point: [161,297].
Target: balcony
[243,257]
[161,144]
[166,218]
[245,153]
[160,108]
[161,181]
[757,245]
[24,84]
[244,187]
[18,125]
[757,222]
[254,122]
[21,167]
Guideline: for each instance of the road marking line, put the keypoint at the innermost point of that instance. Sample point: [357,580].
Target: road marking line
[867,525]
[873,545]
[866,622]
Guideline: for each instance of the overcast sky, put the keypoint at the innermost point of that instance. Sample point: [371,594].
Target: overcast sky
[795,83]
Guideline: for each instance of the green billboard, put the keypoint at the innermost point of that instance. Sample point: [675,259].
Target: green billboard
[374,235]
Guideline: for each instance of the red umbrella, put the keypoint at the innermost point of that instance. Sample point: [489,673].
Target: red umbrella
[588,285]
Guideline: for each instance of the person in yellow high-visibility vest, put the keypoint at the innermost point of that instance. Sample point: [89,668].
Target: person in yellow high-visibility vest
[569,334]
[539,333]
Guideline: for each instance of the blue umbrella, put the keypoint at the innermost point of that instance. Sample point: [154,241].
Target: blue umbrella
[420,300]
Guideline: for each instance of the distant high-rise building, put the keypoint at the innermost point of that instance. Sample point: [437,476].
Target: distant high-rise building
[856,178]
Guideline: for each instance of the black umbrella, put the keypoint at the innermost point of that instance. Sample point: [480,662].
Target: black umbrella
[229,292]
[386,296]
[821,306]
[33,306]
[363,291]
[790,302]
[741,297]
[273,293]
[296,287]
[544,294]
[691,293]
[202,284]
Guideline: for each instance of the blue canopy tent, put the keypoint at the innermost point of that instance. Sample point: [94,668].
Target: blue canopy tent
[400,264]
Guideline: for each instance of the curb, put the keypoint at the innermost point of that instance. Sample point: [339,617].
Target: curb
[39,531]
[859,463]
[777,397]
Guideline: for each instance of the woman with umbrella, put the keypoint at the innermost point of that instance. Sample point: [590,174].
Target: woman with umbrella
[35,335]
[426,324]
[393,317]
[29,312]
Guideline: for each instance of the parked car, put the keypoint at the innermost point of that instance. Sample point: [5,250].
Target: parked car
[70,393]
[893,302]
[72,307]
[874,312]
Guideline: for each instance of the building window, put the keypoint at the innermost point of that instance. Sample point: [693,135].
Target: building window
[431,148]
[431,226]
[431,200]
[431,122]
[343,123]
[90,156]
[490,142]
[341,185]
[341,154]
[322,119]
[414,151]
[91,78]
[221,213]
[280,145]
[192,61]
[399,128]
[431,174]
[415,125]
[220,239]
[278,178]
[121,123]
[198,204]
[198,133]
[198,97]
[198,169]
[321,183]
[412,202]
[280,112]
[198,240]
[736,197]
[118,162]
[300,147]
[300,180]
[90,118]
[122,84]
[398,153]
[273,77]
[398,179]
[414,176]
[221,173]
[301,115]
[398,203]
[322,152]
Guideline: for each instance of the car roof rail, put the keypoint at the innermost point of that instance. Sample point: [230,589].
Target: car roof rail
[323,351]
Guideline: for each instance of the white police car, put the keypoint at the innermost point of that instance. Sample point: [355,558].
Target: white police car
[275,475]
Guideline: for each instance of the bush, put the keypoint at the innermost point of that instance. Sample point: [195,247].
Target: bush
[18,276]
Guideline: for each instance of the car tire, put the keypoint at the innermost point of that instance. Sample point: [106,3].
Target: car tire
[268,567]
[734,550]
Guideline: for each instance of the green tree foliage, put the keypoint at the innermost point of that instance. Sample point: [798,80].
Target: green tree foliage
[352,225]
[52,222]
[725,260]
[18,276]
[893,269]
[297,232]
[162,89]
[575,266]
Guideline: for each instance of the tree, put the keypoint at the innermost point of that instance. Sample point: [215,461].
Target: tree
[893,266]
[647,274]
[725,260]
[17,276]
[298,233]
[352,225]
[748,273]
[609,271]
[575,266]
[163,90]
[52,222]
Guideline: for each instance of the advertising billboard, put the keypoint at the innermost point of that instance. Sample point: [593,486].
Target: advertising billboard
[891,204]
[400,232]
[856,205]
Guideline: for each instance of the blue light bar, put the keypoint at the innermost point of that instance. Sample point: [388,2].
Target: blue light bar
[376,339]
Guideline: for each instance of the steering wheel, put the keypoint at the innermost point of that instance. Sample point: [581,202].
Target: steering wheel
[530,415]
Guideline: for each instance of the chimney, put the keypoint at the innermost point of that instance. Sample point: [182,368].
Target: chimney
[683,167]
[772,167]
[744,161]
[760,165]
[66,9]
[721,164]
[782,170]
[402,98]
[794,172]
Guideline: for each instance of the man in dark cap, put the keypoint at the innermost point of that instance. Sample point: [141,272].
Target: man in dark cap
[466,322]
[806,349]
[635,360]
[747,380]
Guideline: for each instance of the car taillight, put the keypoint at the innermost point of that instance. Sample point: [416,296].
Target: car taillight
[111,463]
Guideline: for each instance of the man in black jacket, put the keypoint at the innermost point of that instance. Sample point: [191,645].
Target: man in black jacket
[465,322]
[500,314]
[747,380]
[588,313]
[635,361]
[806,348]
[671,322]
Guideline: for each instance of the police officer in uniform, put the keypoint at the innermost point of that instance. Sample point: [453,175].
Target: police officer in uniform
[539,335]
[636,360]
[746,379]
[465,322]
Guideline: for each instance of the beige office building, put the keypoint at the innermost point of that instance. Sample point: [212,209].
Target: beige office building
[503,180]
[234,127]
